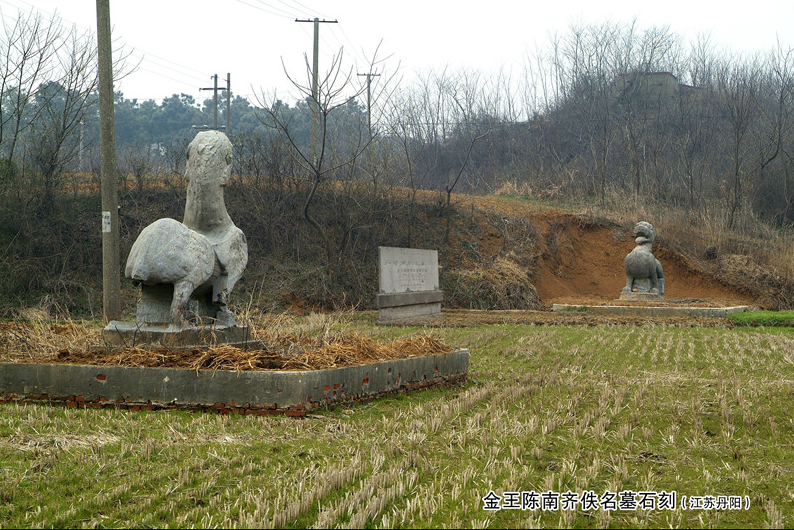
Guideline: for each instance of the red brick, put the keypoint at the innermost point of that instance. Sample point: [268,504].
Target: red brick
[71,404]
[79,399]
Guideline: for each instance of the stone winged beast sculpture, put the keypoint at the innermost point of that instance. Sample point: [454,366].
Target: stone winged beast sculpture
[199,260]
[643,272]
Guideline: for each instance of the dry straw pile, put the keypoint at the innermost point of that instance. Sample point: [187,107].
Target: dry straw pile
[270,350]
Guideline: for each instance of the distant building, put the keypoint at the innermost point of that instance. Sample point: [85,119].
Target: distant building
[647,86]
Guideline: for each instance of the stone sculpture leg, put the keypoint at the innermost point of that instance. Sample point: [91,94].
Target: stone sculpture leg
[179,307]
[654,281]
[660,277]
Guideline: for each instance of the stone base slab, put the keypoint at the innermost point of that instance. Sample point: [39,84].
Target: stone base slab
[650,311]
[129,334]
[409,313]
[290,392]
[642,296]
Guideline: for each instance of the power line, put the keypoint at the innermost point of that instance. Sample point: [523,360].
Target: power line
[263,9]
[171,68]
[135,53]
[309,9]
[282,2]
[288,14]
[352,47]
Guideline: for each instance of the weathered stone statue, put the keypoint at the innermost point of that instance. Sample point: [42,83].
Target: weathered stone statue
[644,277]
[187,270]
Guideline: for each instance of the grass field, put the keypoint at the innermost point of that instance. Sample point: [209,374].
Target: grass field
[699,411]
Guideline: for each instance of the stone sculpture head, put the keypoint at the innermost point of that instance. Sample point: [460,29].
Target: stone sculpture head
[209,158]
[644,233]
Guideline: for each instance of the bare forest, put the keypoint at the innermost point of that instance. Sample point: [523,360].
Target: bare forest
[608,115]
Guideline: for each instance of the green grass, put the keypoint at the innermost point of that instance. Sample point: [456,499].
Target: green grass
[702,411]
[764,318]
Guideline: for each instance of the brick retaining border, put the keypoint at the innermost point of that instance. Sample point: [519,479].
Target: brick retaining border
[224,391]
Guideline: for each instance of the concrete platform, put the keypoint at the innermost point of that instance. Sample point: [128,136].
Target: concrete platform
[642,297]
[650,311]
[119,334]
[246,392]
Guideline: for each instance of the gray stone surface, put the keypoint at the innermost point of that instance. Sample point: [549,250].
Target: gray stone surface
[641,296]
[133,335]
[401,299]
[414,312]
[643,271]
[207,387]
[408,284]
[187,270]
[405,270]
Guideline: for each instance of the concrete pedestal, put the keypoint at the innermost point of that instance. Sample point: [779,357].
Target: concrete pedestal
[642,296]
[127,335]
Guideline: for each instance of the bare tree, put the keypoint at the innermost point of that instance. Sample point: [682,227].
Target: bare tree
[335,89]
[28,55]
[416,139]
[60,106]
[27,51]
[738,102]
[775,121]
[466,110]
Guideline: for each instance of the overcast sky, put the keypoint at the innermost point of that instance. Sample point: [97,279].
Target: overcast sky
[181,43]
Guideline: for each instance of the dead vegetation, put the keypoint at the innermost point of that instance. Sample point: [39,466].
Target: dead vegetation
[286,344]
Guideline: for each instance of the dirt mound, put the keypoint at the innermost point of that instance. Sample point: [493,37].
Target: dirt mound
[578,261]
[585,263]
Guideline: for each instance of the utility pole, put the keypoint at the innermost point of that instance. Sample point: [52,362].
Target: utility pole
[315,82]
[228,102]
[215,90]
[111,268]
[369,101]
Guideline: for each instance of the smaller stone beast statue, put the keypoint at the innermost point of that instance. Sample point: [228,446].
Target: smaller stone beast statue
[187,270]
[643,271]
